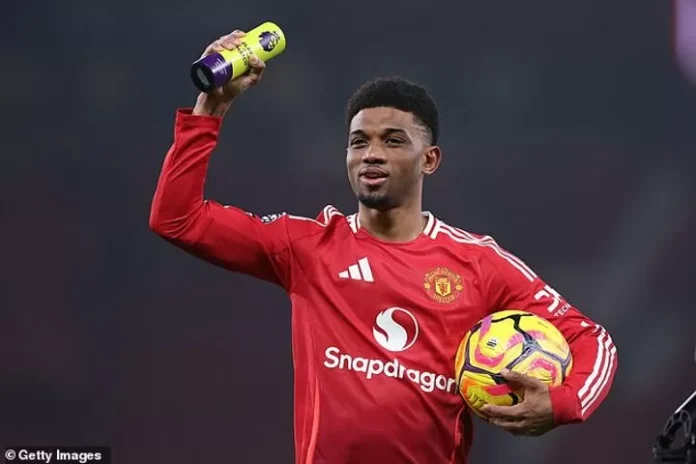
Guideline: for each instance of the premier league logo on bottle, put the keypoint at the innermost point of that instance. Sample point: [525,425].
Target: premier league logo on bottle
[269,40]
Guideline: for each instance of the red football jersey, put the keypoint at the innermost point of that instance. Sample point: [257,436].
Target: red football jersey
[375,324]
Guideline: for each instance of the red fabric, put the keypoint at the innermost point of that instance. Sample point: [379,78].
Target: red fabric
[375,325]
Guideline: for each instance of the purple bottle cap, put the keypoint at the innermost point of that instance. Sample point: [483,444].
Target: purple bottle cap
[210,72]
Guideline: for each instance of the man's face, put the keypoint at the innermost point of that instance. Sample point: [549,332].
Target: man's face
[388,153]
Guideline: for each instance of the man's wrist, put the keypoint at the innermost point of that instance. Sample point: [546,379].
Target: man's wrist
[209,106]
[565,405]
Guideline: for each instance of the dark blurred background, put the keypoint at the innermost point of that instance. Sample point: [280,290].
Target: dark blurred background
[569,133]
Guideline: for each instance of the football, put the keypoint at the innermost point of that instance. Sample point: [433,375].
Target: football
[517,340]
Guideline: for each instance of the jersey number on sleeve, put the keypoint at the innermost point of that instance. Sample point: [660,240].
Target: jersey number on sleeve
[549,292]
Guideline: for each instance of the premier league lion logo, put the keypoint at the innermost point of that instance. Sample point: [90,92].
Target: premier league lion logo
[269,40]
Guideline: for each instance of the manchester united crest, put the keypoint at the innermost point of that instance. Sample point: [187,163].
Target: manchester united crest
[443,285]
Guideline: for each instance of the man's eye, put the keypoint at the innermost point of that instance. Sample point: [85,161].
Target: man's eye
[393,141]
[357,143]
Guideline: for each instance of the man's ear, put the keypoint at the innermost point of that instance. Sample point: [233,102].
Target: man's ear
[431,160]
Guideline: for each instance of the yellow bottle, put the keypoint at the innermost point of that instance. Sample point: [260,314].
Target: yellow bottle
[265,41]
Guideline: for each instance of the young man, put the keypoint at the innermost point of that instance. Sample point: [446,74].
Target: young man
[381,298]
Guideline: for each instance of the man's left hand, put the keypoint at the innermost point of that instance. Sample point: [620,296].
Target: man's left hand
[533,416]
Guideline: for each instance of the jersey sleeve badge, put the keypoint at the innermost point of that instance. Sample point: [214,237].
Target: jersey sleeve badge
[267,218]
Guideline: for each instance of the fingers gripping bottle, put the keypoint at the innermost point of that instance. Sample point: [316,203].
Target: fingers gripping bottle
[209,72]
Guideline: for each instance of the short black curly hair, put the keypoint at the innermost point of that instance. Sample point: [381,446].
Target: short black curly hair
[402,94]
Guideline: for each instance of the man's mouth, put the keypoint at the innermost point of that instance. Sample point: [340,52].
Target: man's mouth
[373,173]
[373,176]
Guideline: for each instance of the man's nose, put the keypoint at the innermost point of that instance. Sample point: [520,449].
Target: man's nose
[373,154]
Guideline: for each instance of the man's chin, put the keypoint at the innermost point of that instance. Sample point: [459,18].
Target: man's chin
[378,201]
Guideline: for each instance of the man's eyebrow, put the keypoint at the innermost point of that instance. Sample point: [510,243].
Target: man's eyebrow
[387,131]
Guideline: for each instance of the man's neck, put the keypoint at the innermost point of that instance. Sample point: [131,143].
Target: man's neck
[401,224]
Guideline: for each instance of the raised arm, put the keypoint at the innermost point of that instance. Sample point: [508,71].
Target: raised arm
[225,236]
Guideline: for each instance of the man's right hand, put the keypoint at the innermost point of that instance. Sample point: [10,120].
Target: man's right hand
[217,102]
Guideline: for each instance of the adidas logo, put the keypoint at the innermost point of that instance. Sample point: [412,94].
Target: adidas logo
[359,271]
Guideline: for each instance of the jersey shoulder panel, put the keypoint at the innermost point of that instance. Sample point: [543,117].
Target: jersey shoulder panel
[329,217]
[448,235]
[483,246]
[325,218]
[329,221]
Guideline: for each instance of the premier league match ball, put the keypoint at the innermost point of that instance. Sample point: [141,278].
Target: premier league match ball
[517,340]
